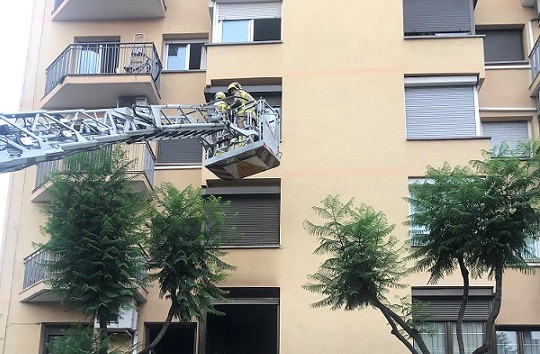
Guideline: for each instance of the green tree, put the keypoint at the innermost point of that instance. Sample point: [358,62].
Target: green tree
[479,220]
[79,340]
[95,227]
[186,231]
[363,264]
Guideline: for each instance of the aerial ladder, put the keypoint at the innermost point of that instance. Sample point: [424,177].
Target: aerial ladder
[231,152]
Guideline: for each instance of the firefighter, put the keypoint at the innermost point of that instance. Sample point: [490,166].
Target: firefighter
[242,99]
[220,104]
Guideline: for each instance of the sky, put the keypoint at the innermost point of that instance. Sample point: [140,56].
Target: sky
[15,18]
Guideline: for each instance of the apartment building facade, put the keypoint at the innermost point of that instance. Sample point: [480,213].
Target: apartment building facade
[371,92]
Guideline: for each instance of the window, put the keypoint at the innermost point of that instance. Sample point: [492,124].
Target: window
[502,45]
[432,17]
[518,341]
[247,22]
[184,56]
[257,210]
[511,133]
[416,230]
[532,252]
[250,324]
[185,151]
[440,307]
[179,338]
[441,107]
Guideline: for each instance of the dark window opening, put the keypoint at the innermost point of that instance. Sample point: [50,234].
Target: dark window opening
[244,329]
[267,29]
[195,55]
[179,338]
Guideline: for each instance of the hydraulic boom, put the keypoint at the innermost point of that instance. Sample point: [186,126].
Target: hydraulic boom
[231,152]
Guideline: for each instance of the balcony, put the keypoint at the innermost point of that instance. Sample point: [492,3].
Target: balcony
[95,75]
[535,69]
[99,10]
[142,168]
[35,289]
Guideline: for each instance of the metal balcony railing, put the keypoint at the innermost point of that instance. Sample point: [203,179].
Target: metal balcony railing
[104,59]
[535,59]
[141,154]
[34,270]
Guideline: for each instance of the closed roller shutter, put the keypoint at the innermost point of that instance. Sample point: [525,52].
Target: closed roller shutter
[509,132]
[448,309]
[502,45]
[440,112]
[257,219]
[436,16]
[180,151]
[254,10]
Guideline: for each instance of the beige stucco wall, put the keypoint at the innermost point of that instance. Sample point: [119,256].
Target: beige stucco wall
[342,70]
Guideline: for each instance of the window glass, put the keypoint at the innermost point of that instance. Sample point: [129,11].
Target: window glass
[267,29]
[235,31]
[433,334]
[532,250]
[473,334]
[507,342]
[531,342]
[176,57]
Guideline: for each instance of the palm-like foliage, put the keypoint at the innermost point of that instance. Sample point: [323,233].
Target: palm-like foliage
[94,223]
[478,220]
[363,264]
[186,232]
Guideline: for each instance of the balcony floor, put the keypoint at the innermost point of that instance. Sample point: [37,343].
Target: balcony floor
[99,91]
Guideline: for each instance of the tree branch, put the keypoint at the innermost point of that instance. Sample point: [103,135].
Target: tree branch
[395,331]
[411,332]
[163,330]
[464,300]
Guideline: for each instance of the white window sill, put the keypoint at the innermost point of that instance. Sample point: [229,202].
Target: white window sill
[242,43]
[167,71]
[508,65]
[177,167]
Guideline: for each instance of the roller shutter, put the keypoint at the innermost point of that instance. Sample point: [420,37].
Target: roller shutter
[440,112]
[510,132]
[437,16]
[502,45]
[180,151]
[447,309]
[257,219]
[251,10]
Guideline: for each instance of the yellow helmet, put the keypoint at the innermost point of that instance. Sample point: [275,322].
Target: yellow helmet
[234,85]
[219,96]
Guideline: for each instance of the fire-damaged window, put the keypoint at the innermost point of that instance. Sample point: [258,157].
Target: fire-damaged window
[247,22]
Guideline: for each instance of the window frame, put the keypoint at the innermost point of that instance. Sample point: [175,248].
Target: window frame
[434,82]
[217,27]
[449,333]
[253,299]
[187,43]
[519,335]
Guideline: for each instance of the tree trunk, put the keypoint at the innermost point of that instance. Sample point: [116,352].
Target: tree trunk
[394,318]
[490,325]
[103,334]
[464,300]
[164,328]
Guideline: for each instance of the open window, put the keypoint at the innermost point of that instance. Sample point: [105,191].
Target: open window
[247,22]
[184,55]
[179,338]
